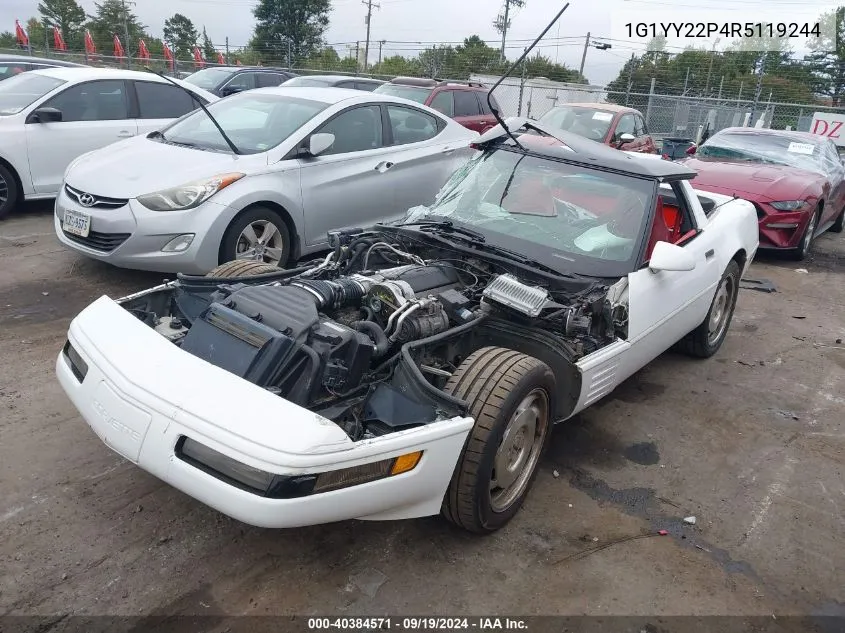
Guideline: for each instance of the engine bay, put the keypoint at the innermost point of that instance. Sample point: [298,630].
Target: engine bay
[369,336]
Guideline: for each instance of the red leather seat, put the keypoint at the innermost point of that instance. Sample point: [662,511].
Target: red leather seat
[660,231]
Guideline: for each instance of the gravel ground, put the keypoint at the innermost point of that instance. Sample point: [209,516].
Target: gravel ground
[750,442]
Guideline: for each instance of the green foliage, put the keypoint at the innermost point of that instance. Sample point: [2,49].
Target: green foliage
[289,25]
[181,35]
[827,61]
[208,48]
[68,16]
[112,17]
[8,40]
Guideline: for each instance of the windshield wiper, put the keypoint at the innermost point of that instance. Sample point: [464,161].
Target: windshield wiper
[226,138]
[446,226]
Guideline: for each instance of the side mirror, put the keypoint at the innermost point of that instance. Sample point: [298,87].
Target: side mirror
[45,115]
[319,143]
[230,90]
[627,138]
[692,150]
[666,256]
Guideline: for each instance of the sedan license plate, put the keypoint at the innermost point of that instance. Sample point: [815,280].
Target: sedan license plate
[76,223]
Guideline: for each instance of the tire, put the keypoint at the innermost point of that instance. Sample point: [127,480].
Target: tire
[8,192]
[839,222]
[805,246]
[236,242]
[241,268]
[498,383]
[700,343]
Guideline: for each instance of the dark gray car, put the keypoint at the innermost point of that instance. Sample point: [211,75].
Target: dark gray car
[11,65]
[227,80]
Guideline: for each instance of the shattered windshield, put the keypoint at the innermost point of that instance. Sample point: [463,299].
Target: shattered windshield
[571,218]
[767,148]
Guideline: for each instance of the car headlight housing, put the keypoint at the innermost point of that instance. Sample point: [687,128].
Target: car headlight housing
[788,205]
[189,195]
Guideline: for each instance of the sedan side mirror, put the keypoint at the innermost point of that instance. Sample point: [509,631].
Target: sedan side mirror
[627,138]
[319,144]
[692,150]
[45,115]
[230,90]
[670,257]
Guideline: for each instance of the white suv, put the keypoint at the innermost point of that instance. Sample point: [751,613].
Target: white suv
[50,117]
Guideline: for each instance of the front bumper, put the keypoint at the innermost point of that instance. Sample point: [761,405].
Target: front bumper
[781,229]
[132,236]
[141,395]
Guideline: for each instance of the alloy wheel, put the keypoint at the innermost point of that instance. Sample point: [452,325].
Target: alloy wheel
[260,241]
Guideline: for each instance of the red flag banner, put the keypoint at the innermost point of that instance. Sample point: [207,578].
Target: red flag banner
[168,55]
[199,62]
[118,47]
[58,40]
[220,59]
[21,36]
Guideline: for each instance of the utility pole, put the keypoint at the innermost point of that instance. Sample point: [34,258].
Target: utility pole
[370,5]
[126,31]
[758,91]
[630,79]
[380,44]
[505,32]
[502,22]
[584,54]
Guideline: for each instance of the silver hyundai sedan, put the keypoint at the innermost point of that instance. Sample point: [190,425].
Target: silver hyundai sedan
[291,164]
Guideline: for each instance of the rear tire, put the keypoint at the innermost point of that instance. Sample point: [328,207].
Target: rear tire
[8,192]
[707,338]
[241,268]
[511,398]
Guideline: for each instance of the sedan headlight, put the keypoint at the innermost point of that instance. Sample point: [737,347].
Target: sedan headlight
[189,195]
[788,205]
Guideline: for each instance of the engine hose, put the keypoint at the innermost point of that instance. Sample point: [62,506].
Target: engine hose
[401,320]
[441,336]
[331,294]
[376,333]
[358,249]
[369,315]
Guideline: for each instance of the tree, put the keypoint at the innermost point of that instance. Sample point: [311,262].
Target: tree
[208,47]
[827,61]
[8,40]
[542,66]
[113,17]
[397,66]
[68,16]
[295,25]
[38,37]
[181,35]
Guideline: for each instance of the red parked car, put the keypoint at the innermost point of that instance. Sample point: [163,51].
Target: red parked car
[614,125]
[796,180]
[466,102]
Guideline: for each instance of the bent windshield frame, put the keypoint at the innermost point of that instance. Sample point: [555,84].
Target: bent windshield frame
[21,91]
[569,217]
[255,122]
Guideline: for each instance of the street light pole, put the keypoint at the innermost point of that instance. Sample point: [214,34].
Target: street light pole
[584,54]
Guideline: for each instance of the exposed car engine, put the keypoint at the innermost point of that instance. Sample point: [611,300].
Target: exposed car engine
[337,337]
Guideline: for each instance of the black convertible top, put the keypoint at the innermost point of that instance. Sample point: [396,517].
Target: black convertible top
[577,149]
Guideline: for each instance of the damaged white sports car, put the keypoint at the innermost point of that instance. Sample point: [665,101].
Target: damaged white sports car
[419,367]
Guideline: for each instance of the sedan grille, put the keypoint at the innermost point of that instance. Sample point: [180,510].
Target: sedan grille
[104,242]
[94,202]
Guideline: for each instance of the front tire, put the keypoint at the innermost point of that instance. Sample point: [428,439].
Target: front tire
[8,192]
[707,338]
[259,235]
[806,244]
[839,222]
[511,398]
[241,268]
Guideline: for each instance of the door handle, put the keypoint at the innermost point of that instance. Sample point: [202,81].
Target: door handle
[124,134]
[709,254]
[384,166]
[447,150]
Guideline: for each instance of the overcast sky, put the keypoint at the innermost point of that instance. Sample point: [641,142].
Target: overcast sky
[410,25]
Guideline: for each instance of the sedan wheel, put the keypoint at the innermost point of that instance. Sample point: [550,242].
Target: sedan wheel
[260,241]
[803,249]
[258,234]
[8,191]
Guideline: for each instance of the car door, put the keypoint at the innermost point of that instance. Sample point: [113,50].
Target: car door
[643,137]
[268,79]
[487,118]
[94,114]
[444,103]
[664,306]
[835,171]
[349,185]
[158,104]
[424,159]
[626,125]
[238,83]
[467,110]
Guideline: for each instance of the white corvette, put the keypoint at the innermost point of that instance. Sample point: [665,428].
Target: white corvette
[419,367]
